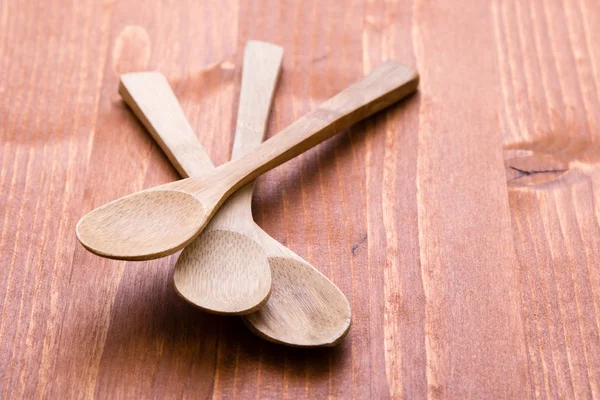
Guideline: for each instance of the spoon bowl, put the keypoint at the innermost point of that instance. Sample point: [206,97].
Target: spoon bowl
[305,309]
[176,218]
[208,274]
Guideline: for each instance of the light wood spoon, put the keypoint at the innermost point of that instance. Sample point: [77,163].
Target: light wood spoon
[162,220]
[224,270]
[305,308]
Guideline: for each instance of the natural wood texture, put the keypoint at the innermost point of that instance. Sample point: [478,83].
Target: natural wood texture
[513,81]
[159,221]
[305,308]
[225,270]
[549,118]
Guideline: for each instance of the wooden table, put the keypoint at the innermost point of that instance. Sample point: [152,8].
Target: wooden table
[462,224]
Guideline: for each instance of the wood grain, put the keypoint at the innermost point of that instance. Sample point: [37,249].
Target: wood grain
[461,226]
[550,135]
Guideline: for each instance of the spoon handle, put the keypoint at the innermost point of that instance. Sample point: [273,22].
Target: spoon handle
[262,64]
[260,72]
[387,84]
[151,99]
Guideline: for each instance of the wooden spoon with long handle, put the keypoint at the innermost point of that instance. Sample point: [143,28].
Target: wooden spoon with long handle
[160,221]
[305,308]
[225,269]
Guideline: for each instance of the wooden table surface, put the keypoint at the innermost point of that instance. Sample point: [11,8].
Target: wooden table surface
[462,225]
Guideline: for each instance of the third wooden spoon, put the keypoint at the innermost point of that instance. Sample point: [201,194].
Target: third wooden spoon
[305,308]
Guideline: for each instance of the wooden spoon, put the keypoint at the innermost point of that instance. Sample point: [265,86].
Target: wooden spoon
[160,221]
[305,308]
[225,270]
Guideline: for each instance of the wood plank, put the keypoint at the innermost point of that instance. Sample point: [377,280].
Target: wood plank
[51,73]
[392,211]
[467,259]
[550,138]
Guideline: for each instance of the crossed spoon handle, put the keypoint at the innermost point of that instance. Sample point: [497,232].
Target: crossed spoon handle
[160,221]
[386,85]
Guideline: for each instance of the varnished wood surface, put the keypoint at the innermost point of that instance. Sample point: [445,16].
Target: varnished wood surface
[462,225]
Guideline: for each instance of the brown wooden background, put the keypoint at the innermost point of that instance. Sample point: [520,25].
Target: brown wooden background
[462,224]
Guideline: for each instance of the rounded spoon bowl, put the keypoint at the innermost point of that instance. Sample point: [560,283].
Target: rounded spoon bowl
[180,211]
[208,269]
[305,308]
